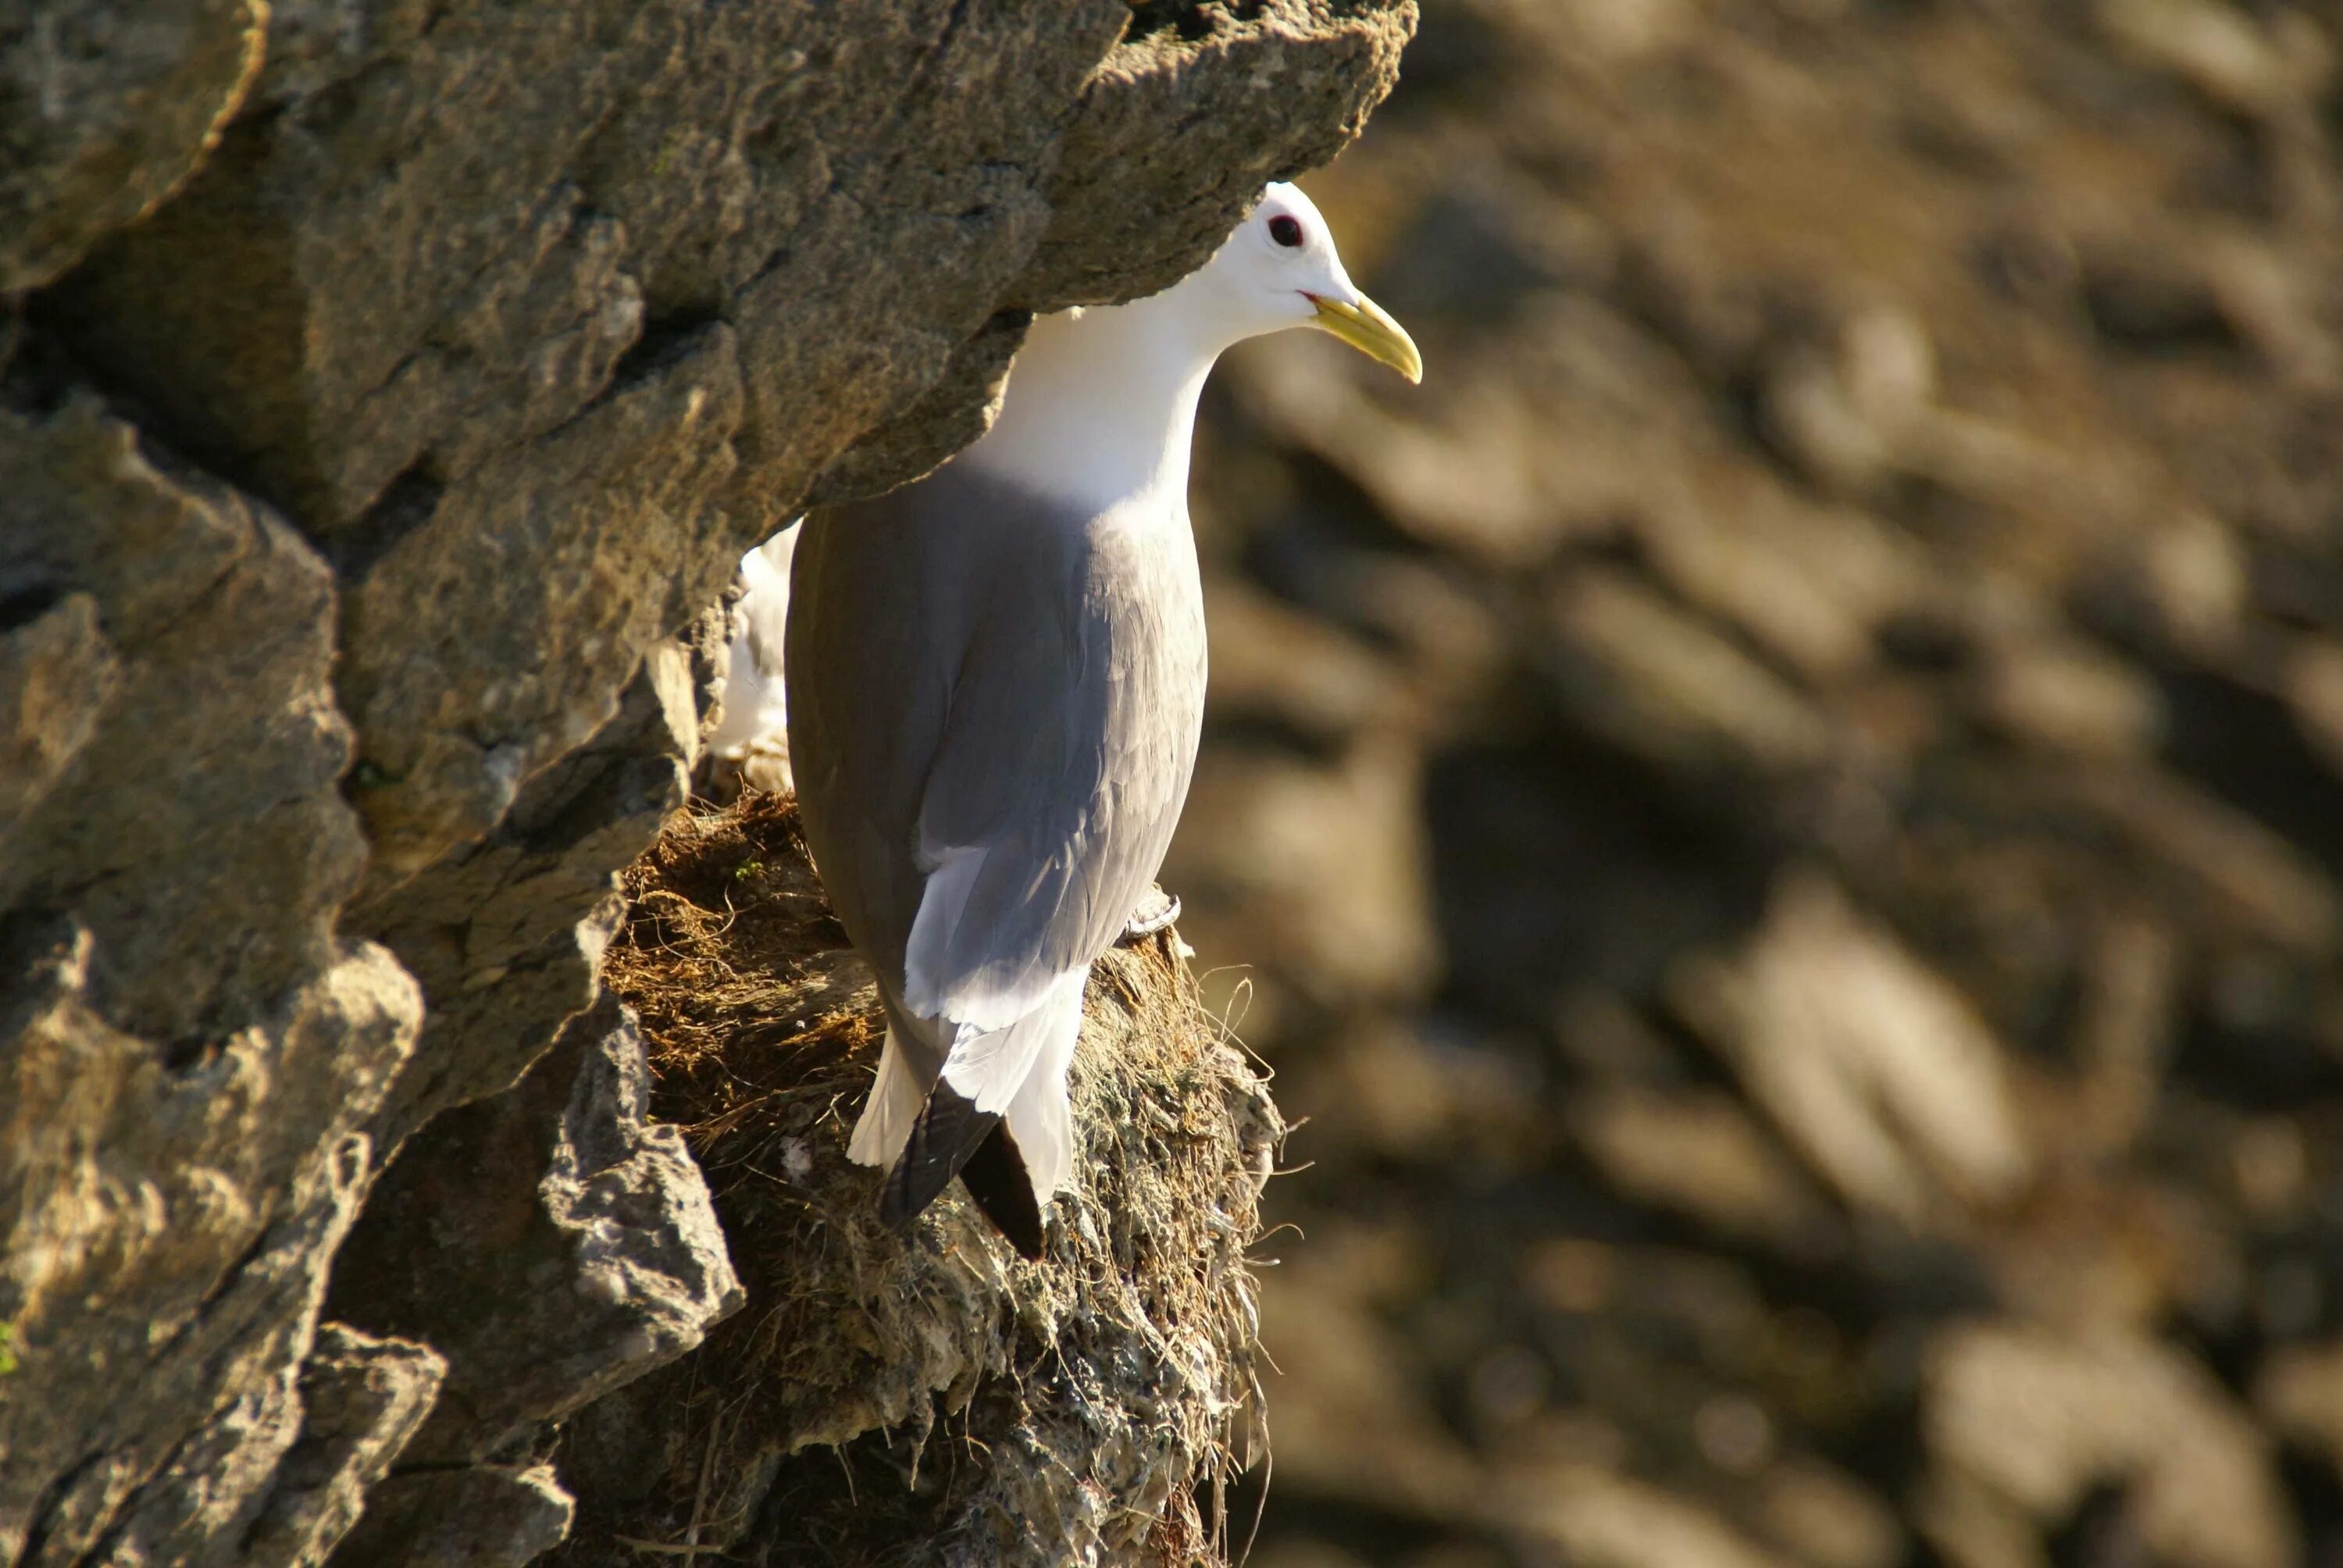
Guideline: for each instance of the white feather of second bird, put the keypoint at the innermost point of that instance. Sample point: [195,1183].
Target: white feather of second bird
[756,715]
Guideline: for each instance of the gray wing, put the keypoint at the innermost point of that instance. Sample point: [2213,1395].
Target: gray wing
[1001,780]
[1065,760]
[869,680]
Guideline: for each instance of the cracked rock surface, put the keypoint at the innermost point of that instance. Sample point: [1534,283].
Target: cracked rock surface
[387,389]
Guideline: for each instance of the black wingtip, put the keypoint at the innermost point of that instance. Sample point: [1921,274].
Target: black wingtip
[995,1177]
[954,1138]
[949,1130]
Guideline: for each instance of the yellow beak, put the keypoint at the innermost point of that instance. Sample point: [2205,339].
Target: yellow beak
[1368,328]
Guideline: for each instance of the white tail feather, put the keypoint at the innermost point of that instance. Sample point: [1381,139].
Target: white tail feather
[1040,1117]
[894,1105]
[991,1065]
[1018,1071]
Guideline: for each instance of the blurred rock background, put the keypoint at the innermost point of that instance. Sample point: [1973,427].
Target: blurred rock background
[1781,817]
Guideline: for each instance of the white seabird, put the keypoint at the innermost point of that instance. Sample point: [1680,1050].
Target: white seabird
[751,735]
[995,684]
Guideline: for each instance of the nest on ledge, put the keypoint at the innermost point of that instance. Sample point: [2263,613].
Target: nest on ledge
[927,1397]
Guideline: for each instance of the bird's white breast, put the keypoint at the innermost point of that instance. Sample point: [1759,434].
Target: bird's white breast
[1099,411]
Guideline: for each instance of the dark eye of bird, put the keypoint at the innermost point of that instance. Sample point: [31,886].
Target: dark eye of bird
[1286,231]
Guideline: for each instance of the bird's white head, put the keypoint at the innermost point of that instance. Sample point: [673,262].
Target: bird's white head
[1280,269]
[1101,402]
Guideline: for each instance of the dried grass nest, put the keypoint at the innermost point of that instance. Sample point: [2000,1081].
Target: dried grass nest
[928,1398]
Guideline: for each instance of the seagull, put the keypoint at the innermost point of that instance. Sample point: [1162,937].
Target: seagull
[751,737]
[995,686]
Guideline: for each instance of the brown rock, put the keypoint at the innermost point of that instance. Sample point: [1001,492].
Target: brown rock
[1884,1078]
[104,109]
[2042,1419]
[467,346]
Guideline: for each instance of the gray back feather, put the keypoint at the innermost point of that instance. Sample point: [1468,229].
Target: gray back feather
[972,668]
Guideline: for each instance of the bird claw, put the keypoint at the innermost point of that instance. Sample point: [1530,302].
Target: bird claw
[1156,914]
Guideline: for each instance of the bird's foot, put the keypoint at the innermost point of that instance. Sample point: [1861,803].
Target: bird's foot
[1156,911]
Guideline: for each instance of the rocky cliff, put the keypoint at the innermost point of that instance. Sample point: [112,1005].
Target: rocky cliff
[385,392]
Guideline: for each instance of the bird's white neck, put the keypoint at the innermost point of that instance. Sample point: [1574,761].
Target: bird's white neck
[1101,407]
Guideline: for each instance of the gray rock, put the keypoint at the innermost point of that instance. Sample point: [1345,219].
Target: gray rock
[549,1242]
[2039,1418]
[504,936]
[193,1055]
[1660,683]
[220,748]
[951,415]
[554,568]
[362,1398]
[1162,154]
[477,1516]
[1877,1068]
[57,672]
[452,358]
[169,1229]
[103,108]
